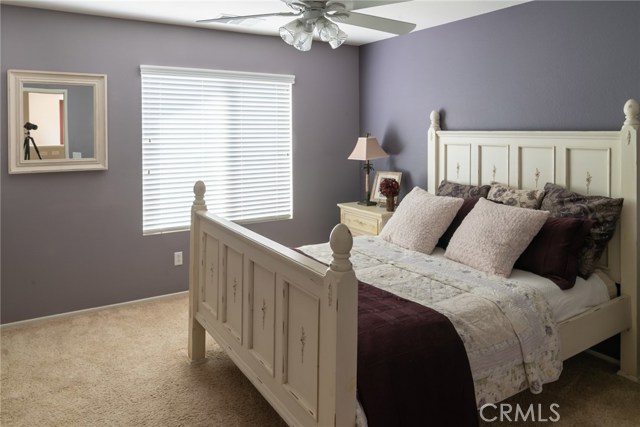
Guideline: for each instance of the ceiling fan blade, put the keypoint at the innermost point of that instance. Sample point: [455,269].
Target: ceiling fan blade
[377,23]
[363,4]
[228,19]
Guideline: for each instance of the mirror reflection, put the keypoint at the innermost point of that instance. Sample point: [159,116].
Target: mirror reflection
[57,121]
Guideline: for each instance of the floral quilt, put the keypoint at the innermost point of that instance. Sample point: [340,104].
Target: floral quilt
[507,327]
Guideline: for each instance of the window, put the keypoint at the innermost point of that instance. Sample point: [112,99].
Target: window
[231,130]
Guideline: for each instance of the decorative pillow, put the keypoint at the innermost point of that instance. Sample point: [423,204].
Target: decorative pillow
[464,210]
[506,195]
[603,211]
[492,236]
[554,251]
[420,220]
[452,189]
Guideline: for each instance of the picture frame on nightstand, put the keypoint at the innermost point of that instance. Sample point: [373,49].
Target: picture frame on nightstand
[376,195]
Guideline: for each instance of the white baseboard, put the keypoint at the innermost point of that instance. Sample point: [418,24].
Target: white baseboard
[89,310]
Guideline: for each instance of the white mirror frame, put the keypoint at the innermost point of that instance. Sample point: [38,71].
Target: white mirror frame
[19,79]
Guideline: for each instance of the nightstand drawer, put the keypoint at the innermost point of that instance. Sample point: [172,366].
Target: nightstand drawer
[359,224]
[362,219]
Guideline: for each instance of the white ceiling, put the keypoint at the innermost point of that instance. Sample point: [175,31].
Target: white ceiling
[424,13]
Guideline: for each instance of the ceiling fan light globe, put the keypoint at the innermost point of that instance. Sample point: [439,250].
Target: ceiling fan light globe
[286,35]
[288,32]
[302,41]
[327,30]
[337,41]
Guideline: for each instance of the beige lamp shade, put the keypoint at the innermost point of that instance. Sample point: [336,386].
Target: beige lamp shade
[367,148]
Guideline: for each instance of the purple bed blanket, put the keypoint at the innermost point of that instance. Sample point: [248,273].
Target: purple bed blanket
[412,366]
[413,369]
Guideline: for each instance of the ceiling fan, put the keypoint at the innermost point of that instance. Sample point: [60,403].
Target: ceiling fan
[321,17]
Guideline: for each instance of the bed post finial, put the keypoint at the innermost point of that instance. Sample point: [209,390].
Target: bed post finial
[338,346]
[433,175]
[199,203]
[629,273]
[341,243]
[631,111]
[435,120]
[196,347]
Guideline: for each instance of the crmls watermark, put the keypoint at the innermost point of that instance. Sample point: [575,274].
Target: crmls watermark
[490,412]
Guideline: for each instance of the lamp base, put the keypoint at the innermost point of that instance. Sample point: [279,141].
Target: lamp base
[367,203]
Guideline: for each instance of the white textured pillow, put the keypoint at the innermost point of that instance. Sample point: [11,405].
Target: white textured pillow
[420,220]
[493,236]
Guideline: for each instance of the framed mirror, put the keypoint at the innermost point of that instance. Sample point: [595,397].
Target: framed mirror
[57,121]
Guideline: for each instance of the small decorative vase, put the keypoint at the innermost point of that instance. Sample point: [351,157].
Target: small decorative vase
[391,204]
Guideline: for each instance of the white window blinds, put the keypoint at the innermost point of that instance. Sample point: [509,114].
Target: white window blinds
[231,130]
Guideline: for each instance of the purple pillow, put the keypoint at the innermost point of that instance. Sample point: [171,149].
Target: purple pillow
[555,251]
[466,207]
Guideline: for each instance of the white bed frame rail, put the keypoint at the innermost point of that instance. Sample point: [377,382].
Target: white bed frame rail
[589,162]
[288,322]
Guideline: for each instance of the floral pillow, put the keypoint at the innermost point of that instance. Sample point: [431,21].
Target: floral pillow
[452,189]
[603,211]
[420,220]
[506,195]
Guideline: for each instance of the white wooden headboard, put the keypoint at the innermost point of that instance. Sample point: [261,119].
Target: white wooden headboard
[588,162]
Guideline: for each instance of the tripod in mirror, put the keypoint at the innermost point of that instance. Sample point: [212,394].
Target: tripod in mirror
[28,141]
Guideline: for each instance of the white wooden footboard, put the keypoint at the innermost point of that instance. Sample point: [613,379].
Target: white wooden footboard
[288,322]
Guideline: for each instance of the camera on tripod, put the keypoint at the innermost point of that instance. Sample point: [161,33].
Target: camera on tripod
[30,126]
[28,139]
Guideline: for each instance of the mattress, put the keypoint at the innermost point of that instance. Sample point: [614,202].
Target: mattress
[564,304]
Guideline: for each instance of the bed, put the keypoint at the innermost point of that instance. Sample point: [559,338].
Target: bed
[290,321]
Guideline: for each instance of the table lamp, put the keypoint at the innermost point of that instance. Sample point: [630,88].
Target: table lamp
[367,148]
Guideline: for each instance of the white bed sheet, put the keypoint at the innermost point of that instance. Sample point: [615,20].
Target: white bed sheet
[564,303]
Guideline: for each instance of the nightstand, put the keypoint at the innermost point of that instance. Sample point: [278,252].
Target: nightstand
[363,220]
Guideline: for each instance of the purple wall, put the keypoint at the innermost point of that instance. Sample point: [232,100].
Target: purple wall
[540,65]
[74,240]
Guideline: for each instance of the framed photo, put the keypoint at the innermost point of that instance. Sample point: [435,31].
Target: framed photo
[376,195]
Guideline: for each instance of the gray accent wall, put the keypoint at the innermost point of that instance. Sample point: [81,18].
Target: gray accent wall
[539,65]
[74,240]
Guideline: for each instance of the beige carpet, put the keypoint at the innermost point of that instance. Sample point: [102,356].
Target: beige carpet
[128,366]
